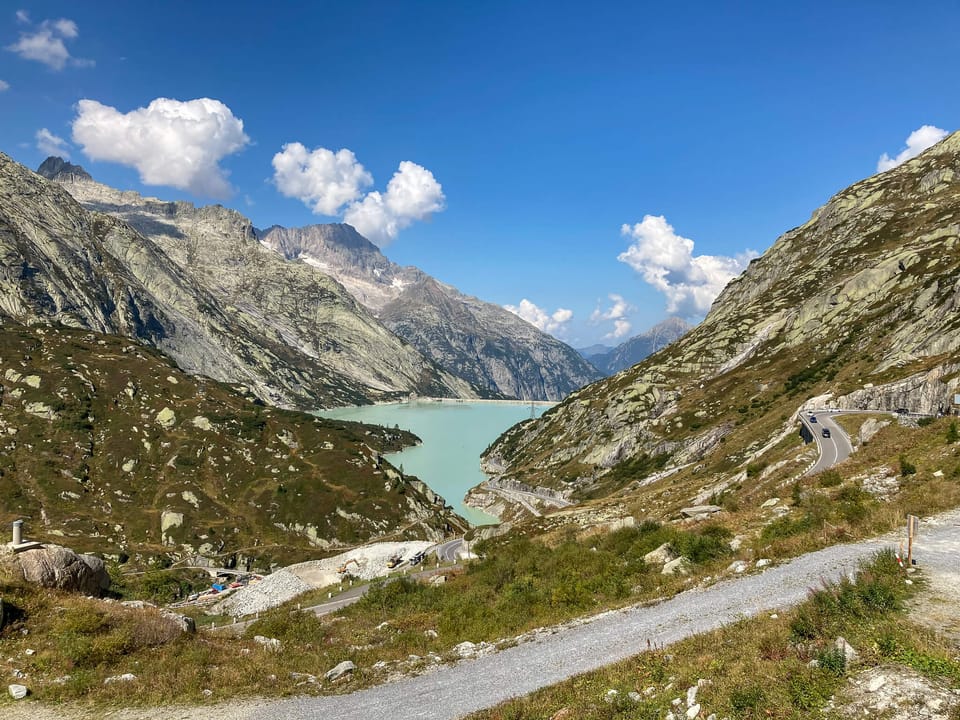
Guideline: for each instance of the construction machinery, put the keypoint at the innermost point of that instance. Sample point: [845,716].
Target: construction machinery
[343,568]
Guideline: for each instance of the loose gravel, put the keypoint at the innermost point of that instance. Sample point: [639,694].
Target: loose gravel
[275,589]
[470,685]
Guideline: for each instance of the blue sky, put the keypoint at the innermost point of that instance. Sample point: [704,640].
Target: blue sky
[501,147]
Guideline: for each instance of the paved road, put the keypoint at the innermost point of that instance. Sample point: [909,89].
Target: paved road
[448,551]
[453,691]
[834,449]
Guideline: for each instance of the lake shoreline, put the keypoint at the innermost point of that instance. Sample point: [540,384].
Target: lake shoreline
[453,435]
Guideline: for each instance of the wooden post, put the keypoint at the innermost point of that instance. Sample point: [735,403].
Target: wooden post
[913,525]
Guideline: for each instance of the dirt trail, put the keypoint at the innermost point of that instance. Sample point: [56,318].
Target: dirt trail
[453,691]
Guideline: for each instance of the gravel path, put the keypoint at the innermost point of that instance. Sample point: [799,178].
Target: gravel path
[453,691]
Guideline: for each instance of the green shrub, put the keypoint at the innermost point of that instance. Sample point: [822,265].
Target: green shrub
[952,434]
[809,690]
[747,699]
[299,626]
[832,661]
[829,479]
[907,467]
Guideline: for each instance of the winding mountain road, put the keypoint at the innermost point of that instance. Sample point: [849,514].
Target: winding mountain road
[833,449]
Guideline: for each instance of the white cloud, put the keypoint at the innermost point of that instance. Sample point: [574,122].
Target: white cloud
[4,85]
[553,323]
[666,261]
[412,194]
[52,144]
[323,180]
[169,142]
[331,183]
[918,141]
[617,313]
[620,329]
[45,43]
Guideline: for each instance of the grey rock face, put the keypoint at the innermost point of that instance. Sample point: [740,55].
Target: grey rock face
[197,284]
[58,567]
[56,168]
[483,343]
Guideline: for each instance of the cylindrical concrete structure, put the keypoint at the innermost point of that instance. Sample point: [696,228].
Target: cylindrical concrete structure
[17,532]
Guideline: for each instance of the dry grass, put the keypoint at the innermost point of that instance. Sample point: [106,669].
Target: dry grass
[756,668]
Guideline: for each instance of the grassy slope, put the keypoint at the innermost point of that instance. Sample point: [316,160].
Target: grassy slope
[100,474]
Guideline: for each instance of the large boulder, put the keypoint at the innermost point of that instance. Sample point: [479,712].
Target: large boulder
[58,567]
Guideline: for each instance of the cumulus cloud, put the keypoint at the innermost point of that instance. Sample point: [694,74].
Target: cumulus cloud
[412,194]
[616,313]
[52,144]
[169,142]
[4,85]
[323,180]
[45,42]
[918,141]
[333,183]
[553,323]
[666,261]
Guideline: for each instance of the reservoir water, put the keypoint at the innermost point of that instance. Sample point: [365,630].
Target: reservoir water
[453,434]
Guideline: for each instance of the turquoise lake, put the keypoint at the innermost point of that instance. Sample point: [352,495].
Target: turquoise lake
[453,434]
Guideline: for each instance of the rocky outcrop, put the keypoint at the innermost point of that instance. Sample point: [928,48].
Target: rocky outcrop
[53,566]
[56,168]
[639,347]
[483,343]
[196,283]
[859,305]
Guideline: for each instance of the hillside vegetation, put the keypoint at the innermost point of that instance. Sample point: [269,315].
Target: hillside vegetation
[107,447]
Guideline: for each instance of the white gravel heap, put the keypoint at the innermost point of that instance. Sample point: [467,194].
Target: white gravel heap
[285,584]
[275,589]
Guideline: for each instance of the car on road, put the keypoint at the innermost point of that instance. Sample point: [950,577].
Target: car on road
[418,558]
[826,432]
[813,418]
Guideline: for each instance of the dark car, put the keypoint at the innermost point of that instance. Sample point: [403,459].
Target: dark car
[813,418]
[826,432]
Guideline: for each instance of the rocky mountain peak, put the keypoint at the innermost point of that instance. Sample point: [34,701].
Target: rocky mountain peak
[196,283]
[489,346]
[56,168]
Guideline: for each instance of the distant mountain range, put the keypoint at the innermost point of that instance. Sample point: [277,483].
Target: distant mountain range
[612,360]
[483,343]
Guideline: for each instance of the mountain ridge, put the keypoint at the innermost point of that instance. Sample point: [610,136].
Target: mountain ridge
[211,295]
[635,349]
[856,307]
[479,341]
